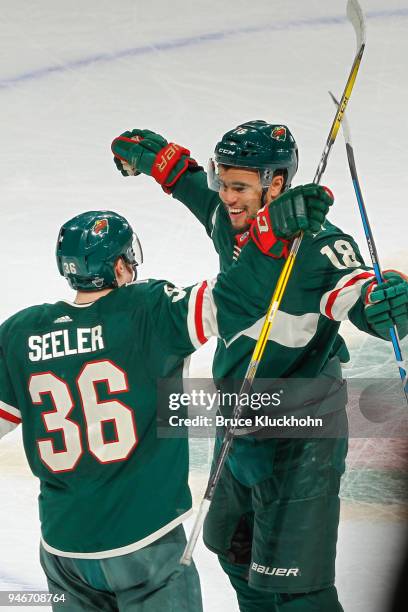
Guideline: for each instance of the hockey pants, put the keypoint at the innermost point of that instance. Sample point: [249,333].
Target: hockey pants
[148,580]
[255,600]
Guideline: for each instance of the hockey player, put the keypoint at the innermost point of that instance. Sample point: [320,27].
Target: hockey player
[274,517]
[82,379]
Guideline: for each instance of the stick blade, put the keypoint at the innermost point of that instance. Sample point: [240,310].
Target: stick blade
[356,16]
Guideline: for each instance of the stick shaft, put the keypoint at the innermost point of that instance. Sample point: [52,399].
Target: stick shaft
[376,263]
[402,368]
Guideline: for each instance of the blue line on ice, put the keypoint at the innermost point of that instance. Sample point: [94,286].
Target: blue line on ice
[177,43]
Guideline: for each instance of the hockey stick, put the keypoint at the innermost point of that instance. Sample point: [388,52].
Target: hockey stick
[371,243]
[356,17]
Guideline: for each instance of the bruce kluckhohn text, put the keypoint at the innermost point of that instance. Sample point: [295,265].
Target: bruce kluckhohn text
[258,421]
[214,401]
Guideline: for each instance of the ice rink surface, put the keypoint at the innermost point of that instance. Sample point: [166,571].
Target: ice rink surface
[74,75]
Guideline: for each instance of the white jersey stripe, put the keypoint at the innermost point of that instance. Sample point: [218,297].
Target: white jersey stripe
[202,314]
[336,303]
[124,550]
[10,417]
[13,412]
[191,326]
[292,331]
[209,312]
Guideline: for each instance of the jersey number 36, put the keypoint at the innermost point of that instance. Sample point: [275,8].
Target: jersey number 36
[96,413]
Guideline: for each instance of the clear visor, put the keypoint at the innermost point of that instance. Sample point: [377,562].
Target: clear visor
[213,178]
[134,253]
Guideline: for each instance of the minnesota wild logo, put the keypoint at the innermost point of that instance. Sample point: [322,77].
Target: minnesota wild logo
[101,226]
[279,133]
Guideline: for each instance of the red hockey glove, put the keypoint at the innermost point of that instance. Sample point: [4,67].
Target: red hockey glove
[146,152]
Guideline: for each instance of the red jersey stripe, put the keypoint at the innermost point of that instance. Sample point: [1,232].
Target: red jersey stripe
[9,417]
[198,314]
[333,296]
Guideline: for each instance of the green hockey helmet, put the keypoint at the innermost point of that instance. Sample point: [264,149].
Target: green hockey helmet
[89,245]
[256,145]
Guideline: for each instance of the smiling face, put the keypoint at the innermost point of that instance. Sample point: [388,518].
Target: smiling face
[241,194]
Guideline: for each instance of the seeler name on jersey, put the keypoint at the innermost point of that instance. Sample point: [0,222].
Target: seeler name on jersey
[62,342]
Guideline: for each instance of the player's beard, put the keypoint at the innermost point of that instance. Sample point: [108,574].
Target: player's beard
[247,222]
[244,228]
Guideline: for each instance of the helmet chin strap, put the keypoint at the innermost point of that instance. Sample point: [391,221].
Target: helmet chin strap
[263,197]
[265,191]
[132,266]
[134,269]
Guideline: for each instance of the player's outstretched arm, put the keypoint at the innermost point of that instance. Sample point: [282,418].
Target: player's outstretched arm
[145,152]
[336,281]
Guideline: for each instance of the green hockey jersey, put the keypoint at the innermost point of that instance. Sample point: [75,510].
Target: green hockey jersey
[82,380]
[323,290]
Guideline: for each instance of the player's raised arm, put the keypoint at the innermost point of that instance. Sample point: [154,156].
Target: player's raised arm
[145,152]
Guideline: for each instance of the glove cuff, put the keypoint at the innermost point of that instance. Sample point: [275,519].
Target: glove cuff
[264,237]
[167,160]
[369,287]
